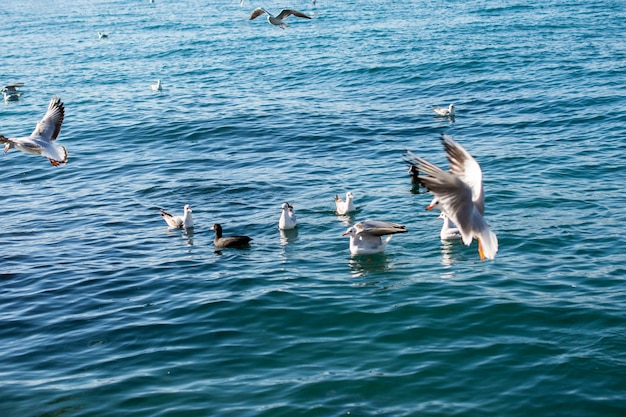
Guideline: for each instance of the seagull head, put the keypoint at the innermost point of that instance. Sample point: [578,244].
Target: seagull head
[187,208]
[350,232]
[349,196]
[435,204]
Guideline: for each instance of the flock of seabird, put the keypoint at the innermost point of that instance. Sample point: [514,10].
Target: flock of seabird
[458,193]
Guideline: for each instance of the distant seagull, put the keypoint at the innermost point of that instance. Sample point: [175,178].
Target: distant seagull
[43,139]
[228,241]
[102,35]
[365,236]
[287,217]
[449,230]
[243,1]
[157,86]
[344,207]
[179,222]
[11,93]
[444,111]
[278,20]
[459,194]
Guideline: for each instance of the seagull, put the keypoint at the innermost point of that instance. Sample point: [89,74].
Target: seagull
[365,236]
[11,93]
[449,230]
[228,241]
[459,194]
[102,35]
[344,207]
[179,222]
[443,111]
[277,20]
[43,139]
[243,1]
[287,217]
[157,86]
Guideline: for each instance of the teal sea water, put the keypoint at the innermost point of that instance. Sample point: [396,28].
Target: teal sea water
[103,311]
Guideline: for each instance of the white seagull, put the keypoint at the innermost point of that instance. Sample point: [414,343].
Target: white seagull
[444,111]
[157,86]
[11,92]
[277,20]
[459,194]
[449,230]
[102,35]
[365,236]
[344,207]
[287,217]
[43,139]
[179,222]
[243,1]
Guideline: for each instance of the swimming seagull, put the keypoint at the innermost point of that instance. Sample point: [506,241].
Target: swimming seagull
[228,241]
[444,111]
[179,222]
[344,207]
[157,86]
[43,139]
[287,217]
[277,20]
[449,230]
[459,194]
[365,236]
[102,35]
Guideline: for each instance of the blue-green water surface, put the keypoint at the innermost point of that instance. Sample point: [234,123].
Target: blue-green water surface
[103,311]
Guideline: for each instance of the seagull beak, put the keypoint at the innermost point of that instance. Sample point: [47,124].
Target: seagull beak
[430,207]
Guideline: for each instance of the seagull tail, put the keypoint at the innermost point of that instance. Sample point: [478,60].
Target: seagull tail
[487,244]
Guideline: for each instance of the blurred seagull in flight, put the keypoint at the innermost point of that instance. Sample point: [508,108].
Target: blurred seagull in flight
[277,20]
[365,236]
[43,139]
[243,1]
[459,194]
[444,111]
[102,35]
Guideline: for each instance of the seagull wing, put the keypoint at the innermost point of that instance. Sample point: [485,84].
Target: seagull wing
[257,12]
[49,127]
[379,228]
[454,194]
[463,165]
[285,13]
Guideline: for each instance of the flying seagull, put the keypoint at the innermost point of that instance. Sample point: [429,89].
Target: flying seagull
[459,194]
[278,20]
[43,139]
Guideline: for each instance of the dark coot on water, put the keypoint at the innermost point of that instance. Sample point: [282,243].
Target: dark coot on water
[228,241]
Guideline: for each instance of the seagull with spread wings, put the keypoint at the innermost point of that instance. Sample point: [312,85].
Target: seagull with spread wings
[459,194]
[43,139]
[279,19]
